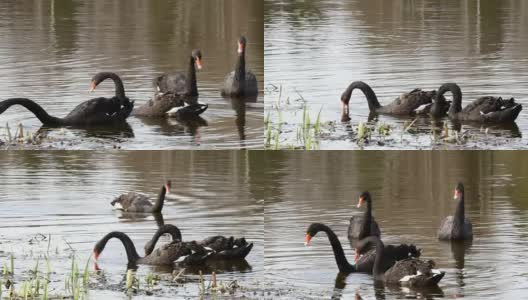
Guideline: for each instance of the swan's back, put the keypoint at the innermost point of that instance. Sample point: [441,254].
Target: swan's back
[445,232]
[413,272]
[354,229]
[408,103]
[175,83]
[100,111]
[133,202]
[250,87]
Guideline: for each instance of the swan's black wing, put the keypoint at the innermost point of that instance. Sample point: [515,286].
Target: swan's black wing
[251,88]
[132,202]
[159,105]
[100,111]
[391,254]
[175,83]
[408,103]
[491,110]
[413,272]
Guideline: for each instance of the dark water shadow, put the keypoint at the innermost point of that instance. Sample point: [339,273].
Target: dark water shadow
[511,127]
[187,126]
[459,250]
[239,106]
[110,131]
[135,217]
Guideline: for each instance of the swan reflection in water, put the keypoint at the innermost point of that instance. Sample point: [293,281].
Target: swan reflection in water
[430,292]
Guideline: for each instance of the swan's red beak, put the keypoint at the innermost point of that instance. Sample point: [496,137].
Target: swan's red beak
[198,63]
[95,255]
[92,86]
[308,239]
[345,117]
[240,48]
[457,194]
[167,189]
[356,256]
[360,203]
[96,267]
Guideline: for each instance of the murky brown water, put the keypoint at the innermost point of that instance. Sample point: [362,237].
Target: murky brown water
[412,192]
[67,195]
[317,48]
[51,49]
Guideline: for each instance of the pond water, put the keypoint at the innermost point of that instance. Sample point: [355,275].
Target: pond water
[57,203]
[411,193]
[315,49]
[50,50]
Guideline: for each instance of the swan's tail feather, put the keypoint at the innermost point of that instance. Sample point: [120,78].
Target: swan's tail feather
[436,277]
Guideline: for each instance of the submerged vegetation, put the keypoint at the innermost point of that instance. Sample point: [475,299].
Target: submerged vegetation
[298,131]
[37,276]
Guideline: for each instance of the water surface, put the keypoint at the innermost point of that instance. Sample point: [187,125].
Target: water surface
[315,49]
[67,195]
[51,49]
[411,193]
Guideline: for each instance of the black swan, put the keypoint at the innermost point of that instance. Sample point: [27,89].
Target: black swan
[189,253]
[364,263]
[240,82]
[405,104]
[94,112]
[484,110]
[363,226]
[135,202]
[178,83]
[456,227]
[223,247]
[410,272]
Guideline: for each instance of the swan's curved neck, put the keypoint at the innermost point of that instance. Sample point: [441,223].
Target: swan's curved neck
[458,218]
[372,99]
[240,72]
[456,106]
[158,206]
[377,271]
[367,221]
[170,229]
[339,254]
[33,107]
[130,249]
[119,88]
[192,88]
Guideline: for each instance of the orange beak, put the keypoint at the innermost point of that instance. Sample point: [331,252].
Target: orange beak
[356,256]
[308,239]
[360,203]
[345,116]
[92,86]
[198,63]
[240,48]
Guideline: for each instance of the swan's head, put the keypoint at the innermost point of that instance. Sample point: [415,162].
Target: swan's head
[345,99]
[242,45]
[197,56]
[167,186]
[99,247]
[365,196]
[459,191]
[356,254]
[312,231]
